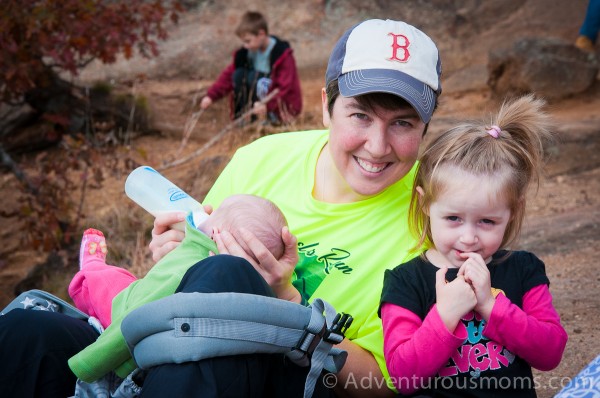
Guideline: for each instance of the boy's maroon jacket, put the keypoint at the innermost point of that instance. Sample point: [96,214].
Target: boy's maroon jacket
[284,76]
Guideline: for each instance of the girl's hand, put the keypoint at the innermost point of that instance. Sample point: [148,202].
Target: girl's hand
[454,299]
[276,272]
[478,276]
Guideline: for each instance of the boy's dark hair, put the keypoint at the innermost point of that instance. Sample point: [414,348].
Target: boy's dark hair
[252,22]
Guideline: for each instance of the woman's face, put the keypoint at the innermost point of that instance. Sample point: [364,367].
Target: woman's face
[371,149]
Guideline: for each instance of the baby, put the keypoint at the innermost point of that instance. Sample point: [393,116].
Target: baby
[96,284]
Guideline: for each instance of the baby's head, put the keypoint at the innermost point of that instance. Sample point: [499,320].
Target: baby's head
[505,155]
[258,215]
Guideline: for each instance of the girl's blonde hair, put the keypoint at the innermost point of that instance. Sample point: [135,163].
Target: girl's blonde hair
[514,160]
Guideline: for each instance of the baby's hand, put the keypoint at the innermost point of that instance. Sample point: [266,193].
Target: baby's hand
[454,299]
[478,276]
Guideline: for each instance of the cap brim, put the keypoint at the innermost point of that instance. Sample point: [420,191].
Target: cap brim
[416,93]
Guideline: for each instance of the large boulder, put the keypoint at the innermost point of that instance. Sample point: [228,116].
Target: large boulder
[549,67]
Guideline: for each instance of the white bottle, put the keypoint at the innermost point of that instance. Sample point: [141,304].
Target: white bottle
[156,194]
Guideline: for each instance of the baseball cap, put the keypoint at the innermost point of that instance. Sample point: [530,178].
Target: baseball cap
[388,57]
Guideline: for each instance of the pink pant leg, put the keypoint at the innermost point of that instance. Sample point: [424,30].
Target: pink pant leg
[94,287]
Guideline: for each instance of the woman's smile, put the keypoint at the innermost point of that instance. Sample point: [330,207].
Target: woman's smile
[371,167]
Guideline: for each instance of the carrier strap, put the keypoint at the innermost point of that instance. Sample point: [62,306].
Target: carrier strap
[188,327]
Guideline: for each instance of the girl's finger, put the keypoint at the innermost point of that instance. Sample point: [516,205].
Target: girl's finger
[440,277]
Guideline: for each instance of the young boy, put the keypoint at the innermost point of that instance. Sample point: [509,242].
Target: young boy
[264,63]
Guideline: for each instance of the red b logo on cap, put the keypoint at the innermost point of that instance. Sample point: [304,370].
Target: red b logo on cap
[405,55]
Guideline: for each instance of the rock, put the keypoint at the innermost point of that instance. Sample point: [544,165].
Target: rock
[472,78]
[549,67]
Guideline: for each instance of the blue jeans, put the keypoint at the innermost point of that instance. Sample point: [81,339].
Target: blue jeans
[244,89]
[591,23]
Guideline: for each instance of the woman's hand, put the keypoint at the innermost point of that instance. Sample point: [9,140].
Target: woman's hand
[164,238]
[276,272]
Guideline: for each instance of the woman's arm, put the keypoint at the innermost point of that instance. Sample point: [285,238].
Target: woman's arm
[360,376]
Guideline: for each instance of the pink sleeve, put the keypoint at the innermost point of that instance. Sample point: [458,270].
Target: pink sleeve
[533,333]
[416,350]
[94,287]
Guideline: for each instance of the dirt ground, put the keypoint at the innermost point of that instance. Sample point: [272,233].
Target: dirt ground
[563,219]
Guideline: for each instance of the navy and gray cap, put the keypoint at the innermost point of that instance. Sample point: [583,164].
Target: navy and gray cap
[388,57]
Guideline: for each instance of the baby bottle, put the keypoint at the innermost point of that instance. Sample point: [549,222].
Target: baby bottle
[156,194]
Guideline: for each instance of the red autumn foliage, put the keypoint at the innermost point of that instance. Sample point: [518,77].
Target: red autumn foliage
[39,38]
[39,41]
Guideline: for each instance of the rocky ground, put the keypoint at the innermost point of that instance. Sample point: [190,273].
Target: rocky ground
[563,221]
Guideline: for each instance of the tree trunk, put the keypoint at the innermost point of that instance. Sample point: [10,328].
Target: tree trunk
[48,111]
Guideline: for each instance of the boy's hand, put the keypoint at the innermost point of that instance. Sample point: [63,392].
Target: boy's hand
[206,102]
[454,299]
[478,276]
[259,109]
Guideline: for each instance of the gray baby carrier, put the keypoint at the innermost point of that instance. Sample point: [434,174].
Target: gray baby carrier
[188,327]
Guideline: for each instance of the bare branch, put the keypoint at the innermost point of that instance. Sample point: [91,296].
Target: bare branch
[218,136]
[7,161]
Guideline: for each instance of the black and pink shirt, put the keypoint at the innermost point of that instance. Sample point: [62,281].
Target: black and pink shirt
[478,358]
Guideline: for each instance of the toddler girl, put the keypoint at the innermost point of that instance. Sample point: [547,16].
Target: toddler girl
[468,317]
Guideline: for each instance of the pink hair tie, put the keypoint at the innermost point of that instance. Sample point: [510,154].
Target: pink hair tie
[494,131]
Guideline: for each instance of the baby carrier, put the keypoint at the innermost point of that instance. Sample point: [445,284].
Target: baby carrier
[187,327]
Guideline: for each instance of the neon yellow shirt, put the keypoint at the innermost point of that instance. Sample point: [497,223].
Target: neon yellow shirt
[344,248]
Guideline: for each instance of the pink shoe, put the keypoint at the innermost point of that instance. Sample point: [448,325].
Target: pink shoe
[93,247]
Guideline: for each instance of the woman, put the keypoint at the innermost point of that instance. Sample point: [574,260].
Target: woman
[345,192]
